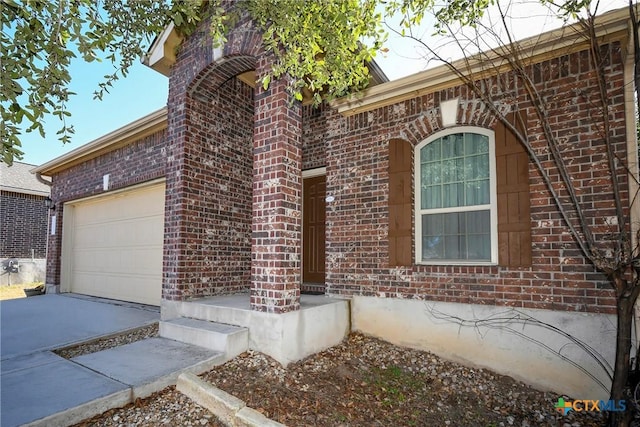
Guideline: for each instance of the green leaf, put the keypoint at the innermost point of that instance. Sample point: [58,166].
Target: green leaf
[266,81]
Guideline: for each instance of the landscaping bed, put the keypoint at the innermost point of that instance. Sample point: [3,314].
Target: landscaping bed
[361,382]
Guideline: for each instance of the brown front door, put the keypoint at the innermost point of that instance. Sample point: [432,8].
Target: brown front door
[313,191]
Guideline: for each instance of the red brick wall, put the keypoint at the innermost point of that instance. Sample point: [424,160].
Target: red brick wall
[23,225]
[277,201]
[140,161]
[220,132]
[561,278]
[210,196]
[314,136]
[209,170]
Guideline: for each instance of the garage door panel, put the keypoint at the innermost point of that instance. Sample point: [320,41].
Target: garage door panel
[141,260]
[140,231]
[114,286]
[116,246]
[124,205]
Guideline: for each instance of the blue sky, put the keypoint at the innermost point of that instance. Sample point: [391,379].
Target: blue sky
[141,92]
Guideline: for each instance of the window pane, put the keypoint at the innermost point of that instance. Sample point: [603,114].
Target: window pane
[453,195]
[454,247]
[457,236]
[456,167]
[479,247]
[430,173]
[431,197]
[430,152]
[432,224]
[477,193]
[449,172]
[476,144]
[452,145]
[478,222]
[479,235]
[432,245]
[454,223]
[476,167]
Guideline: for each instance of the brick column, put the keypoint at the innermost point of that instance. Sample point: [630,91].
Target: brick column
[276,230]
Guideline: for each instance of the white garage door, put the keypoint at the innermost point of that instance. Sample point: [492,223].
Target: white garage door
[114,248]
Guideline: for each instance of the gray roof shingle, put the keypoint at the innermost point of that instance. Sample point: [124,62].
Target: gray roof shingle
[19,179]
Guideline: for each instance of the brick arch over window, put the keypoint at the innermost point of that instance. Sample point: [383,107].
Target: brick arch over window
[469,113]
[513,197]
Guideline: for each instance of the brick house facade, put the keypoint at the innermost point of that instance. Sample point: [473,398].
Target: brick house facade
[137,162]
[236,160]
[23,229]
[23,224]
[544,268]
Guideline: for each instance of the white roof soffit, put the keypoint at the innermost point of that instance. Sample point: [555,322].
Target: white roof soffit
[612,25]
[162,53]
[125,135]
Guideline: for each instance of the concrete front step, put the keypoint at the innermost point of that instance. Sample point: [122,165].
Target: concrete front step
[227,309]
[320,323]
[229,339]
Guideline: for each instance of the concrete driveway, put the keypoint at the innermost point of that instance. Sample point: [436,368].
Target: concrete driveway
[36,383]
[40,388]
[47,322]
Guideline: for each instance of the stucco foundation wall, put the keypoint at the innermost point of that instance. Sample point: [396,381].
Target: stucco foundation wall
[287,337]
[292,336]
[527,344]
[30,270]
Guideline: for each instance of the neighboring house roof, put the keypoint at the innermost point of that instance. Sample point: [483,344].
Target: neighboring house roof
[121,137]
[18,178]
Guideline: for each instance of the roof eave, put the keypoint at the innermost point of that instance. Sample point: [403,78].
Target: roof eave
[162,53]
[24,191]
[131,132]
[611,25]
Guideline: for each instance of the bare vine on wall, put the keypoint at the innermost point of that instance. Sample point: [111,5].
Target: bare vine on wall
[520,324]
[503,70]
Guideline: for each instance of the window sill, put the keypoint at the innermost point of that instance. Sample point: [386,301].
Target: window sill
[457,263]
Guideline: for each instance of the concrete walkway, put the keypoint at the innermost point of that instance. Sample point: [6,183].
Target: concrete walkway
[37,387]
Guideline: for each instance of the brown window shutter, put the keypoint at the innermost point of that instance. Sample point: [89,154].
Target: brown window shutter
[400,196]
[514,209]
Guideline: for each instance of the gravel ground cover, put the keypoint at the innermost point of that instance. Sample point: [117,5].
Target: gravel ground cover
[361,382]
[108,342]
